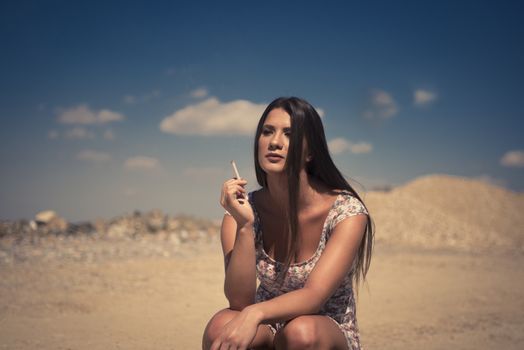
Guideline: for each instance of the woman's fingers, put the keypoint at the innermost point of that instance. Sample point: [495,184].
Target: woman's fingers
[225,343]
[216,344]
[233,191]
[239,181]
[219,345]
[232,188]
[234,185]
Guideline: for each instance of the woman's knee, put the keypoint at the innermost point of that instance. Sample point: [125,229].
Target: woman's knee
[214,326]
[299,333]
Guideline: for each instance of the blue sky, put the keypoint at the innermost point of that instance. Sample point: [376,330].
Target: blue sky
[108,107]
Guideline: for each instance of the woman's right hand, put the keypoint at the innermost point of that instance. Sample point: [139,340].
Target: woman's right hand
[234,199]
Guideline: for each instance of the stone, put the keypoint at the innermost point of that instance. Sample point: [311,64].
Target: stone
[45,216]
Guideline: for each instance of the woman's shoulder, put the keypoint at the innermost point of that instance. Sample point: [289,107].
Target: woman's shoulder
[346,205]
[349,203]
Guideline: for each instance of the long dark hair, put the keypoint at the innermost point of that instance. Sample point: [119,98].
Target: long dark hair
[305,122]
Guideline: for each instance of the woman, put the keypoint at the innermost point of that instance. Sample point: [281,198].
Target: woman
[305,234]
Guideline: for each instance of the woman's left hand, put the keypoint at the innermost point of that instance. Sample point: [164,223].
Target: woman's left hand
[238,333]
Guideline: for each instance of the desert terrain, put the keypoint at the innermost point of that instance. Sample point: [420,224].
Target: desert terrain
[447,272]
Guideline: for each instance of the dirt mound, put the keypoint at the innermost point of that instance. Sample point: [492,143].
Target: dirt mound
[443,211]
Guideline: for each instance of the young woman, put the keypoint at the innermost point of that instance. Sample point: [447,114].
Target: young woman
[306,235]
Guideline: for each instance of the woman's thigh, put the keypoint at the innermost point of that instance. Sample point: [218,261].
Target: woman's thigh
[310,332]
[263,338]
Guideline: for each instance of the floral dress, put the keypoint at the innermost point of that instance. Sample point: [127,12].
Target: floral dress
[340,307]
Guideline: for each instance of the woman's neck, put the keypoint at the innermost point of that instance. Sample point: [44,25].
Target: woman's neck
[278,190]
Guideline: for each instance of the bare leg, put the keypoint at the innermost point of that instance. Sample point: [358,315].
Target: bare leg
[310,332]
[263,338]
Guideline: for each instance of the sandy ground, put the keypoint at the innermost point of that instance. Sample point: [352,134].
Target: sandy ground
[413,300]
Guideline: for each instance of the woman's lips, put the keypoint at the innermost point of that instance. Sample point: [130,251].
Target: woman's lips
[274,157]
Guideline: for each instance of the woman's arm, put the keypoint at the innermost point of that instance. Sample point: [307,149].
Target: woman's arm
[325,278]
[238,246]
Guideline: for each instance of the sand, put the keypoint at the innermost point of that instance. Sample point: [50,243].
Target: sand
[447,272]
[413,300]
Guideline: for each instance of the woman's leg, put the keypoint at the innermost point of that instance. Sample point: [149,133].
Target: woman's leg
[310,332]
[263,338]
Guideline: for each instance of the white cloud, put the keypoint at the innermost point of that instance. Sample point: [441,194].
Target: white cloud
[79,133]
[338,145]
[381,105]
[513,159]
[142,163]
[52,134]
[93,156]
[212,117]
[199,93]
[361,147]
[341,145]
[423,97]
[107,116]
[108,135]
[82,114]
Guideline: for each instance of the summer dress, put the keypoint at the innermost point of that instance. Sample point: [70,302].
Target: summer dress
[340,307]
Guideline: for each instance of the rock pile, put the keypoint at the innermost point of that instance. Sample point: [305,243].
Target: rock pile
[155,222]
[49,236]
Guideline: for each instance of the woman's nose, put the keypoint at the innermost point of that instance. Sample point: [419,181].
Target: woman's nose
[275,141]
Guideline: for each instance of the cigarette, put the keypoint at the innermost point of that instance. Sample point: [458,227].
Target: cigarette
[240,200]
[235,169]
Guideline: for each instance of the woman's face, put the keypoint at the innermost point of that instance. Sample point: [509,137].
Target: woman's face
[273,142]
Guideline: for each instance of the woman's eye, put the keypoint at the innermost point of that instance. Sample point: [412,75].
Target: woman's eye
[266,132]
